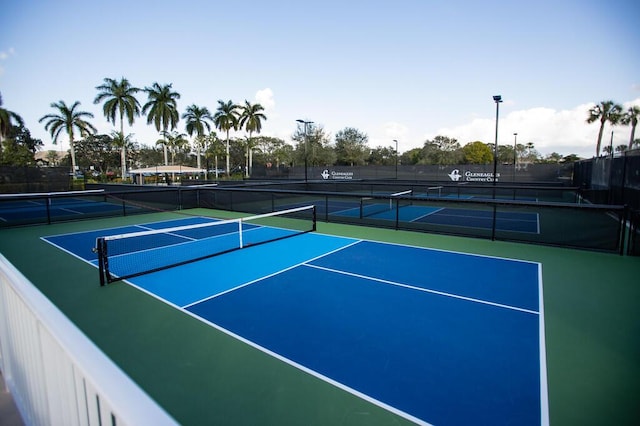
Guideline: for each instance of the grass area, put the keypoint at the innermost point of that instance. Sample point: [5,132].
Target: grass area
[201,375]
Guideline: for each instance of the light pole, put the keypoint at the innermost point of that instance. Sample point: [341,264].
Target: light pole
[396,158]
[515,155]
[497,99]
[305,145]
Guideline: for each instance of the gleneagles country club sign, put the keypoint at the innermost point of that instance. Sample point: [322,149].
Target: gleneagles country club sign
[455,175]
[333,174]
[469,176]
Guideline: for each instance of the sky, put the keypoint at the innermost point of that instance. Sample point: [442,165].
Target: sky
[407,70]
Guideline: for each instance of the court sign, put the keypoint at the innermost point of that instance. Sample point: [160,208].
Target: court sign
[471,176]
[336,175]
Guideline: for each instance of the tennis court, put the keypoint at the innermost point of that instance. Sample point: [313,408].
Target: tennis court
[434,336]
[47,207]
[404,207]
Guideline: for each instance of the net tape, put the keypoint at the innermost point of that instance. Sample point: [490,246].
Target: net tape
[128,255]
[370,206]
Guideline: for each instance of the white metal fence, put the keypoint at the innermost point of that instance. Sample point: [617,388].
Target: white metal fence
[55,374]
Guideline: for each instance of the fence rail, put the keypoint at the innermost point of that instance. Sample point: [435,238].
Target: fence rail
[565,221]
[582,226]
[55,374]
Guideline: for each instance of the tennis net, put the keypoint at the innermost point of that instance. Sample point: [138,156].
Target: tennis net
[128,255]
[370,206]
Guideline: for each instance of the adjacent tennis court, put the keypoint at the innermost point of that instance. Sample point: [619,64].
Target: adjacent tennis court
[437,337]
[403,207]
[56,206]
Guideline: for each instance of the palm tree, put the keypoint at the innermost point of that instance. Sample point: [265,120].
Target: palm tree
[6,119]
[163,143]
[162,110]
[119,98]
[67,119]
[251,120]
[122,141]
[631,117]
[176,142]
[213,147]
[226,118]
[603,112]
[197,119]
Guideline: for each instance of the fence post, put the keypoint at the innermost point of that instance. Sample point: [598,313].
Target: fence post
[493,224]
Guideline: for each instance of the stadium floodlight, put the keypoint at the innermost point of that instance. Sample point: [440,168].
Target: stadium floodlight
[497,99]
[305,123]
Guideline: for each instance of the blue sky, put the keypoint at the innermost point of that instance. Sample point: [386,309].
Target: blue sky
[406,70]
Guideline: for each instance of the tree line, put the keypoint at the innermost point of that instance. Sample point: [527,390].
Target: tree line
[613,113]
[312,145]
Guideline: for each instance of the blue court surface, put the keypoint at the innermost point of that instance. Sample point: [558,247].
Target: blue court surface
[58,208]
[444,216]
[436,337]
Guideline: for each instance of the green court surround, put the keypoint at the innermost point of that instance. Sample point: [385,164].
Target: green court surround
[202,376]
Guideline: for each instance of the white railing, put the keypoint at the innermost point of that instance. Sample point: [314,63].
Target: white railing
[55,374]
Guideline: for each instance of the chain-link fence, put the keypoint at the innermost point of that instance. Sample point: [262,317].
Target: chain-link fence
[17,179]
[610,180]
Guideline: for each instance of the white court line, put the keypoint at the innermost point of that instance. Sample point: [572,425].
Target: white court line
[188,240]
[45,239]
[428,214]
[70,211]
[426,290]
[537,222]
[167,233]
[311,371]
[271,275]
[544,392]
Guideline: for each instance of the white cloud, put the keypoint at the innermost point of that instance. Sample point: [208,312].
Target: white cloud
[265,98]
[635,102]
[5,54]
[387,132]
[394,130]
[562,131]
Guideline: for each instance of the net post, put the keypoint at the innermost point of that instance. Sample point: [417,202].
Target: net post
[397,214]
[493,223]
[622,228]
[134,261]
[102,252]
[48,203]
[326,209]
[314,217]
